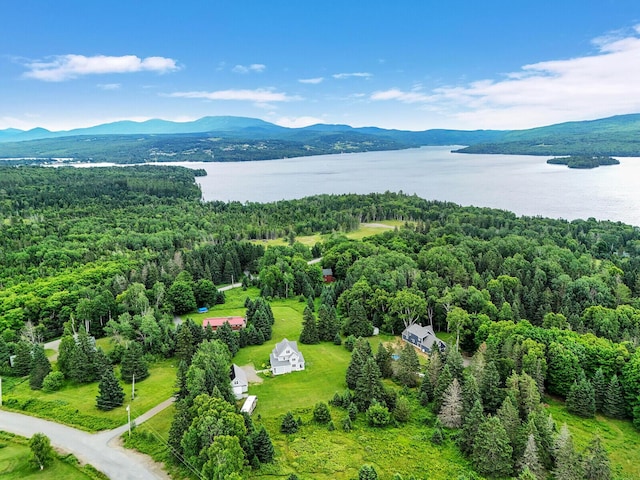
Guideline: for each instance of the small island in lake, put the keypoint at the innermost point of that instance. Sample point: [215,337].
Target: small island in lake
[583,161]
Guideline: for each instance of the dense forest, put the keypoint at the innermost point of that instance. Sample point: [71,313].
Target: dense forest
[118,252]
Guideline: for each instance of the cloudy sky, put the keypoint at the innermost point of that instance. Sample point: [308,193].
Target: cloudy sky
[406,64]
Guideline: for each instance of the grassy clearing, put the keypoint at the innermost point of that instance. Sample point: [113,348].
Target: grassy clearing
[233,305]
[74,405]
[618,436]
[365,230]
[14,463]
[315,452]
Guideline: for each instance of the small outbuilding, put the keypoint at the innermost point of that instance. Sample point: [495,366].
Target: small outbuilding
[239,382]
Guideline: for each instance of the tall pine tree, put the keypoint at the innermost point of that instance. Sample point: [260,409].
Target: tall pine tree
[492,450]
[133,364]
[614,404]
[451,411]
[40,367]
[582,399]
[309,333]
[596,462]
[110,392]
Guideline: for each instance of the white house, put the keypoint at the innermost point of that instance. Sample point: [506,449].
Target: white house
[239,382]
[286,358]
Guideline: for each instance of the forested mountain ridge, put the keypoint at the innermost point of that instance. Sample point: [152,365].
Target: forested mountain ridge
[613,136]
[221,139]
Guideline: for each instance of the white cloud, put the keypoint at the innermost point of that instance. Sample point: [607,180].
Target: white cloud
[602,84]
[405,97]
[312,81]
[297,122]
[341,76]
[109,86]
[259,95]
[65,67]
[253,68]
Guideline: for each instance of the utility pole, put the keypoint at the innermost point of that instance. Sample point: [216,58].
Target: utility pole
[129,418]
[133,387]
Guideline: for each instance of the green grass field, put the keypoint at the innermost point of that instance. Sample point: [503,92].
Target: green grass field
[74,405]
[619,437]
[14,463]
[365,230]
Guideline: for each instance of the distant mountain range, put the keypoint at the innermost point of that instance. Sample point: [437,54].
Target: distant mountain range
[226,138]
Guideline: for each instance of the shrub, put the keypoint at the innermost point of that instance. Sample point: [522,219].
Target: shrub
[350,342]
[321,413]
[378,415]
[52,382]
[289,424]
[402,412]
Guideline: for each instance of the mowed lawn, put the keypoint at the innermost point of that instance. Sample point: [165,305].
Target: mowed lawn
[14,463]
[75,405]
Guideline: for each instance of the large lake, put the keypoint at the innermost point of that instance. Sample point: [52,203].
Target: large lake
[522,184]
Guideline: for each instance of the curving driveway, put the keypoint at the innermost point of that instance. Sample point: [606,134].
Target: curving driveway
[102,450]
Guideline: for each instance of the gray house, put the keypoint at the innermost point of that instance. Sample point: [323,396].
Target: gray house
[422,337]
[286,358]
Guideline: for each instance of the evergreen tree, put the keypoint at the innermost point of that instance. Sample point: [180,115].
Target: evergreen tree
[383,359]
[321,413]
[434,367]
[596,462]
[600,385]
[309,333]
[262,445]
[453,358]
[179,425]
[451,411]
[367,472]
[470,392]
[337,340]
[530,460]
[490,391]
[444,380]
[568,464]
[581,399]
[369,386]
[545,428]
[4,353]
[327,323]
[426,391]
[524,393]
[181,381]
[289,424]
[471,423]
[185,343]
[614,404]
[408,366]
[133,363]
[510,419]
[65,352]
[492,450]
[22,360]
[262,321]
[230,338]
[357,323]
[361,351]
[110,392]
[40,367]
[527,475]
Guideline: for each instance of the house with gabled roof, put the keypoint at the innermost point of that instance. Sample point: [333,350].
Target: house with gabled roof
[286,358]
[239,382]
[423,337]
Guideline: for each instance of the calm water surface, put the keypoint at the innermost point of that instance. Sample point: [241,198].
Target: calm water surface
[522,184]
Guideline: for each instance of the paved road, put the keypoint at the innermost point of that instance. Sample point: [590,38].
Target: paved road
[102,450]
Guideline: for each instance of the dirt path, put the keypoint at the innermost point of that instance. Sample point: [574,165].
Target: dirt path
[252,375]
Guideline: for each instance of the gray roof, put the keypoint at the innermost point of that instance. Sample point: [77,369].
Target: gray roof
[237,372]
[281,347]
[425,334]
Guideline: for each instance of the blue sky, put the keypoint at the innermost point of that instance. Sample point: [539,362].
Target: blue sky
[401,64]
